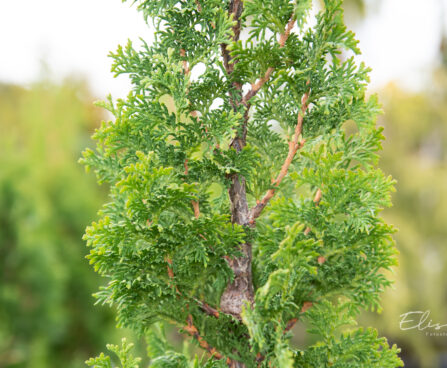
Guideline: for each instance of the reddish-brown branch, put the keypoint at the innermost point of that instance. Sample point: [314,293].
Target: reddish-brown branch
[184,62]
[204,306]
[208,309]
[293,321]
[306,306]
[259,359]
[186,166]
[192,330]
[286,34]
[294,145]
[255,87]
[290,325]
[321,260]
[195,206]
[171,273]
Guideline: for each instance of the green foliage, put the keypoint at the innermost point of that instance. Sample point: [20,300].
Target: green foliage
[162,355]
[174,145]
[46,317]
[122,352]
[149,220]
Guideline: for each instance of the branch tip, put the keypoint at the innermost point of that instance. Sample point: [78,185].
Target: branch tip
[255,87]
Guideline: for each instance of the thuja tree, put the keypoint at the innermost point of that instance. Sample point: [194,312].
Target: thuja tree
[244,190]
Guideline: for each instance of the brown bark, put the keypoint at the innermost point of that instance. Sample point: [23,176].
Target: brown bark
[240,290]
[235,8]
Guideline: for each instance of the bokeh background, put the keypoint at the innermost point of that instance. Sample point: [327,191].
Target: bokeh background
[53,65]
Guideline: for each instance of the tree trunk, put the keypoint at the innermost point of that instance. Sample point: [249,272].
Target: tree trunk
[240,290]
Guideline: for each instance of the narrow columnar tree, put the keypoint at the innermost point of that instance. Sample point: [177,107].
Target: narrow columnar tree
[244,193]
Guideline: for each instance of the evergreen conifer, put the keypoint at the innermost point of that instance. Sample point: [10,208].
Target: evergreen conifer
[244,188]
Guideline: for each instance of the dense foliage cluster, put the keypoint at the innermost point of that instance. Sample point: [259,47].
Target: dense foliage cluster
[244,189]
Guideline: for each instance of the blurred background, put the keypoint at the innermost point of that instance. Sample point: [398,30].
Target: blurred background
[53,65]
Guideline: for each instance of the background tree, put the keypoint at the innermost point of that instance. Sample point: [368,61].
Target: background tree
[415,125]
[244,188]
[46,316]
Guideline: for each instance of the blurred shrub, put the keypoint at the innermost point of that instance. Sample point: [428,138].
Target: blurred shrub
[47,317]
[415,154]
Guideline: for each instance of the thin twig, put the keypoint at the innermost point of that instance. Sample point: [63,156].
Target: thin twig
[255,87]
[294,145]
[171,274]
[185,164]
[186,70]
[208,309]
[203,305]
[192,330]
[195,206]
[290,325]
[293,321]
[259,359]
